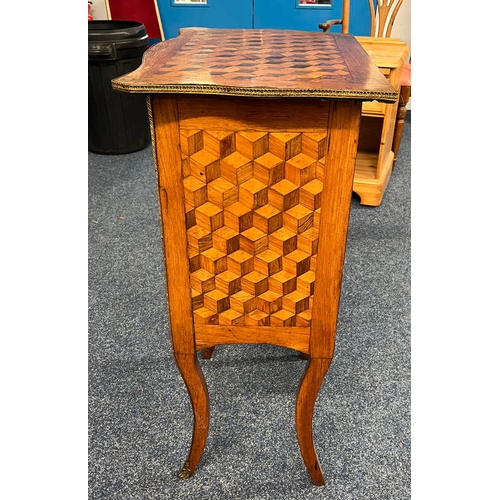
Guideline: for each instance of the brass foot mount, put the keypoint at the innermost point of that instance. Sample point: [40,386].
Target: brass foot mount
[185,472]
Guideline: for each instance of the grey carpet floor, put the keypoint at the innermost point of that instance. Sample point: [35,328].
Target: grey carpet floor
[140,417]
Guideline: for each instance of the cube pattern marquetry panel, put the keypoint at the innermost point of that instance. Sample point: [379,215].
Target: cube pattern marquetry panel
[253,205]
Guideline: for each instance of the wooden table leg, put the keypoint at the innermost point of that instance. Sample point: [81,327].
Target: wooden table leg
[207,352]
[194,379]
[314,374]
[163,113]
[344,119]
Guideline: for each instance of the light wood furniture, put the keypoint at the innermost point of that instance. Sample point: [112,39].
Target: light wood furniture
[254,142]
[382,21]
[373,169]
[376,154]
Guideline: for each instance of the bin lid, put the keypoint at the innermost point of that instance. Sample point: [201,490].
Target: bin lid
[117,31]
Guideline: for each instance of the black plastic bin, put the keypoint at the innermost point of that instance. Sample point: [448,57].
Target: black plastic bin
[118,122]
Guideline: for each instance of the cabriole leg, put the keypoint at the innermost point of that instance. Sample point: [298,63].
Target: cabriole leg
[197,388]
[306,398]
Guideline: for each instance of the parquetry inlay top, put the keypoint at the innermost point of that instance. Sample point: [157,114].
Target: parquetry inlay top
[259,62]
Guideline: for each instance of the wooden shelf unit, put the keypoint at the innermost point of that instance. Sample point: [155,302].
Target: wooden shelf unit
[375,159]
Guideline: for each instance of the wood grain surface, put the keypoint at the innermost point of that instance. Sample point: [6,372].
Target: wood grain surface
[265,62]
[255,188]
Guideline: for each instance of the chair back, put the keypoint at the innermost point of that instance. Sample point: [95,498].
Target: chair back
[383,17]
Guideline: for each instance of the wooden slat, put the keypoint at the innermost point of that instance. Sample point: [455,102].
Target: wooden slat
[291,337]
[372,17]
[202,112]
[385,16]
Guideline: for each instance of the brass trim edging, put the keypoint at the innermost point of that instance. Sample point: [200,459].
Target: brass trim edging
[255,91]
[153,147]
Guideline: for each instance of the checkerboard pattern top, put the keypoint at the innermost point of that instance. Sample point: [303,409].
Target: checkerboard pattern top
[261,62]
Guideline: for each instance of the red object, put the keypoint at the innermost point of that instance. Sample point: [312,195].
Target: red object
[406,75]
[142,11]
[90,6]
